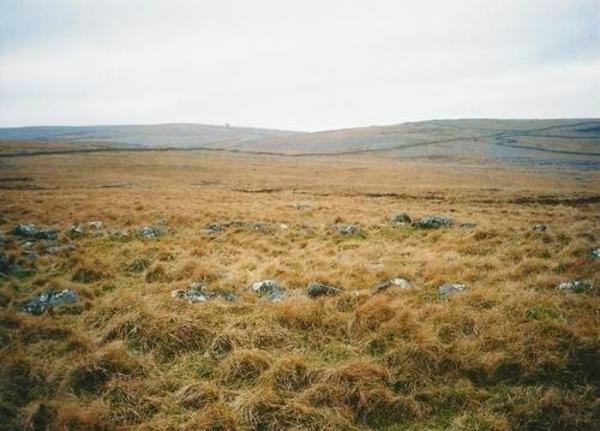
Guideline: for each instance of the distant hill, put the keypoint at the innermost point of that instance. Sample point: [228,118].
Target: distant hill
[574,142]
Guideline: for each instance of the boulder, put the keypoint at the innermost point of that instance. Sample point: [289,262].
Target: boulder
[319,289]
[148,232]
[400,283]
[450,289]
[540,228]
[433,222]
[576,286]
[49,300]
[400,219]
[268,289]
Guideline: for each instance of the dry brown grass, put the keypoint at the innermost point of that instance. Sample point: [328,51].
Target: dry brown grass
[510,353]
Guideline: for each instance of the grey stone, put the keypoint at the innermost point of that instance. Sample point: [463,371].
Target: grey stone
[434,222]
[319,289]
[540,228]
[95,225]
[268,289]
[190,295]
[348,229]
[595,253]
[49,300]
[450,289]
[400,283]
[76,230]
[25,230]
[576,286]
[149,232]
[400,219]
[214,228]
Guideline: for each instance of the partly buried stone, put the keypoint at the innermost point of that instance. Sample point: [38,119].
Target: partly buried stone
[25,230]
[190,295]
[450,289]
[348,229]
[468,225]
[149,232]
[595,253]
[400,283]
[540,228]
[576,286]
[49,300]
[269,289]
[214,228]
[319,289]
[95,225]
[5,266]
[434,222]
[400,219]
[57,249]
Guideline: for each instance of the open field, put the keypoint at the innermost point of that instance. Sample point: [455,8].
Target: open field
[509,352]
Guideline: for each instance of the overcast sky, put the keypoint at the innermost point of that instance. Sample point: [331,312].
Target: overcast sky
[302,65]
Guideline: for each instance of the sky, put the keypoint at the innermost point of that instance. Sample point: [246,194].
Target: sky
[297,65]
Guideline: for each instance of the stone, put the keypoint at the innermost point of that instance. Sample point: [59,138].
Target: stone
[348,229]
[468,225]
[450,289]
[214,228]
[400,219]
[5,266]
[148,232]
[76,230]
[302,206]
[30,254]
[576,286]
[595,253]
[49,300]
[25,230]
[319,289]
[96,225]
[540,228]
[433,222]
[47,234]
[400,283]
[56,249]
[268,289]
[197,285]
[190,295]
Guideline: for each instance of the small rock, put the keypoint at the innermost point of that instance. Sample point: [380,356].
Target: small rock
[400,283]
[283,226]
[96,225]
[149,232]
[400,219]
[3,239]
[468,225]
[302,206]
[76,230]
[190,295]
[319,289]
[540,228]
[48,234]
[268,289]
[25,230]
[576,286]
[595,253]
[348,229]
[5,266]
[214,228]
[450,289]
[434,222]
[50,299]
[197,285]
[60,248]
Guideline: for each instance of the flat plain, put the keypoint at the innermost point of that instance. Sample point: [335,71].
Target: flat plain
[510,351]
